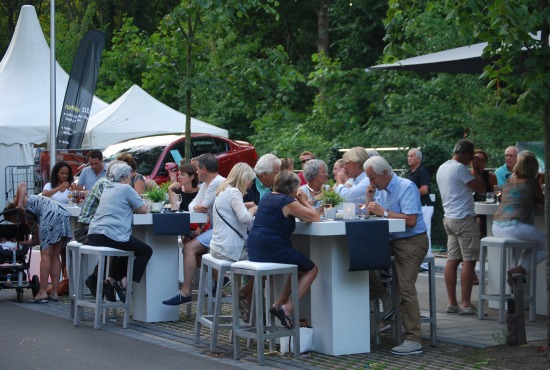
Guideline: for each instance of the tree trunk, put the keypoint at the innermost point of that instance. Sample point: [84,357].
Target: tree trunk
[322,28]
[545,31]
[188,92]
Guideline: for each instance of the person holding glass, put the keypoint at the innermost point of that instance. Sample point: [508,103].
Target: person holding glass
[59,187]
[186,186]
[521,194]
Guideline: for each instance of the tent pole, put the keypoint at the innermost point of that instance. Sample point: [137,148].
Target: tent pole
[53,130]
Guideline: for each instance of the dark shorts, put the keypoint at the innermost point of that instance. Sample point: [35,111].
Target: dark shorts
[287,255]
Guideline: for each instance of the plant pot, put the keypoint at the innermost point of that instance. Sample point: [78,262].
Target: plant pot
[156,207]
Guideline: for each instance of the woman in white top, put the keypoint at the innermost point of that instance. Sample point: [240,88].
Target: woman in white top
[59,186]
[232,216]
[316,175]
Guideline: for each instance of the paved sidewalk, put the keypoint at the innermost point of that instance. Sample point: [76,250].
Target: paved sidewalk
[457,337]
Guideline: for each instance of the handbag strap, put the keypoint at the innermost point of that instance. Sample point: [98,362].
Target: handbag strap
[228,224]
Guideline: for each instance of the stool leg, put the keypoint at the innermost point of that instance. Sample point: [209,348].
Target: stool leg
[482,258]
[433,313]
[78,291]
[235,279]
[296,307]
[533,285]
[129,282]
[217,312]
[502,292]
[200,301]
[260,329]
[98,299]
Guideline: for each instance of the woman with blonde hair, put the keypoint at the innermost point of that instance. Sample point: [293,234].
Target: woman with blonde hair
[520,195]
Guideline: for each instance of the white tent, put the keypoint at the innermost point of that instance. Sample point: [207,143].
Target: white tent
[25,94]
[136,114]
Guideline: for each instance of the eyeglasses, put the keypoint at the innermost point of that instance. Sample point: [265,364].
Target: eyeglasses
[510,155]
[306,160]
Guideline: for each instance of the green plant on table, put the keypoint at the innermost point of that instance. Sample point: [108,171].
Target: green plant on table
[331,197]
[156,194]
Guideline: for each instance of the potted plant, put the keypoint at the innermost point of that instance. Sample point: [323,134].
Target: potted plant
[330,200]
[157,197]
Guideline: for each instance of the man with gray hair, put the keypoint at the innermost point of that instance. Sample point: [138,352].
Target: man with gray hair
[267,167]
[456,184]
[505,171]
[399,198]
[353,166]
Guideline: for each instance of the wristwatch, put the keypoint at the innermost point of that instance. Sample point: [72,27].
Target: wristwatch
[386,214]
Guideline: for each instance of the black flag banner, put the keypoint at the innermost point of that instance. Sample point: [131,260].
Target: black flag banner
[80,91]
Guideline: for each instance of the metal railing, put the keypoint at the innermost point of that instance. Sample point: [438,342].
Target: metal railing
[13,175]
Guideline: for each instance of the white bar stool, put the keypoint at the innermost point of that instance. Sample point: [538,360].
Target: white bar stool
[98,304]
[215,321]
[258,330]
[506,246]
[71,252]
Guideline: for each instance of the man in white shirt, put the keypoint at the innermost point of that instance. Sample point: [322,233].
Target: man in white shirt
[353,166]
[456,184]
[195,248]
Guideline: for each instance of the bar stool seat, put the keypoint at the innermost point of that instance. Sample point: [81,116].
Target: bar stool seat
[98,304]
[506,247]
[258,330]
[215,321]
[71,252]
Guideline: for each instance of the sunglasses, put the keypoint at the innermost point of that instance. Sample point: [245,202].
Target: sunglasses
[306,160]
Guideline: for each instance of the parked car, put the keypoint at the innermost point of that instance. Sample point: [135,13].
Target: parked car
[153,152]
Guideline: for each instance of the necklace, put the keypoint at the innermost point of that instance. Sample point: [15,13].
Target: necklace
[313,191]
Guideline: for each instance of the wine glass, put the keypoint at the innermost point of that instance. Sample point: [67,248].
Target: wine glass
[82,195]
[361,204]
[177,200]
[498,192]
[489,197]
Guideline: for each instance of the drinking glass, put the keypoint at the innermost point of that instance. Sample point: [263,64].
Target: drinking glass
[489,197]
[361,204]
[70,196]
[177,200]
[327,206]
[498,192]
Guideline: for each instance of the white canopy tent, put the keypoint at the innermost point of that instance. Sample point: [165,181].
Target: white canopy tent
[136,114]
[25,94]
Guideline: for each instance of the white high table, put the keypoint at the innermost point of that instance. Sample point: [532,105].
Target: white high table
[161,276]
[493,272]
[338,304]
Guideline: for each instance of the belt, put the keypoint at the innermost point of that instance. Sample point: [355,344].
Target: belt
[412,236]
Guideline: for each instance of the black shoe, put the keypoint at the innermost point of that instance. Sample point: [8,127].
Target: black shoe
[121,291]
[91,283]
[109,291]
[226,282]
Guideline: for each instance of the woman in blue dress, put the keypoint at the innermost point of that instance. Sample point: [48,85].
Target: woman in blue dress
[50,222]
[269,238]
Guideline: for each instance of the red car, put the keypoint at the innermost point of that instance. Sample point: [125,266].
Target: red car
[153,152]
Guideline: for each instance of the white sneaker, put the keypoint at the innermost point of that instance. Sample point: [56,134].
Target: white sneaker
[452,309]
[408,347]
[472,310]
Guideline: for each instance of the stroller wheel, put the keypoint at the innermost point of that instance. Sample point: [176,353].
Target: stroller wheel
[19,295]
[35,285]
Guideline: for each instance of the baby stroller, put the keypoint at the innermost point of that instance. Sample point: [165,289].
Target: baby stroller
[15,259]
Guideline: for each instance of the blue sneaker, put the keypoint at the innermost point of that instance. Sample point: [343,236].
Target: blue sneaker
[177,299]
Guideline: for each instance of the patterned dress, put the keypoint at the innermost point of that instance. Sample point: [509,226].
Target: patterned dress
[52,218]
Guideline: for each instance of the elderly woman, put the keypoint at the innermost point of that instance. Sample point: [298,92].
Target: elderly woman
[520,195]
[49,223]
[316,175]
[59,186]
[269,238]
[112,227]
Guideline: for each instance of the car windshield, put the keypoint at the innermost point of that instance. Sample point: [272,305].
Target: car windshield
[146,157]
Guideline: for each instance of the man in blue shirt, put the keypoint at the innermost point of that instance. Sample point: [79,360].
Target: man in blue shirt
[505,171]
[92,173]
[399,198]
